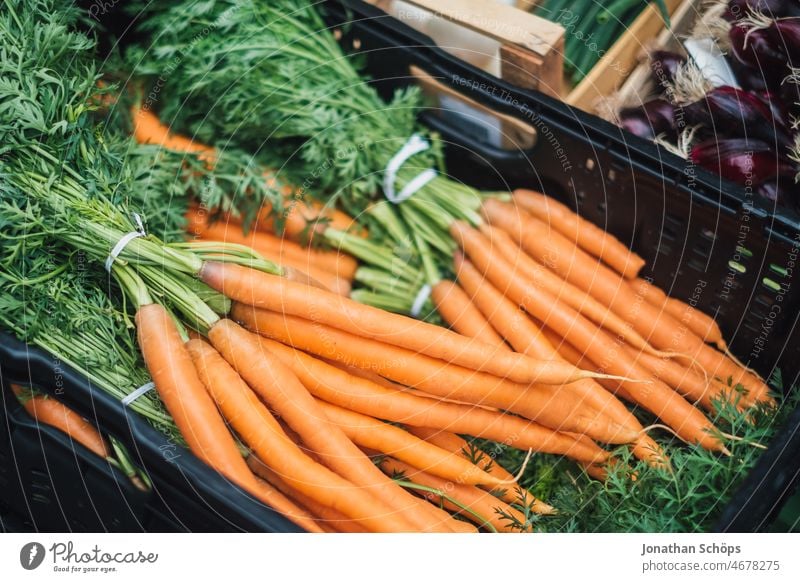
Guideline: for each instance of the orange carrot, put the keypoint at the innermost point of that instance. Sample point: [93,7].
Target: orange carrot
[594,342]
[518,329]
[282,504]
[279,387]
[460,314]
[537,274]
[50,411]
[325,516]
[489,509]
[259,430]
[577,267]
[428,374]
[272,292]
[364,396]
[148,129]
[687,382]
[185,397]
[525,336]
[698,322]
[455,444]
[227,228]
[586,235]
[300,219]
[388,439]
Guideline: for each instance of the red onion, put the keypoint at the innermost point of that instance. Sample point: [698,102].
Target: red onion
[732,112]
[740,8]
[748,77]
[758,48]
[747,162]
[664,65]
[650,119]
[785,34]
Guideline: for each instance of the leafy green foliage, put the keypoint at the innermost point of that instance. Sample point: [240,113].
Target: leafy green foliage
[637,497]
[270,78]
[280,85]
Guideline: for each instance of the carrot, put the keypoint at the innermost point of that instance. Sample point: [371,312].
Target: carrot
[388,439]
[577,267]
[455,444]
[489,509]
[525,336]
[685,381]
[282,504]
[272,292]
[51,412]
[229,229]
[580,231]
[326,515]
[460,314]
[279,387]
[148,129]
[428,374]
[598,472]
[305,219]
[397,387]
[328,281]
[698,322]
[594,342]
[185,397]
[645,447]
[259,430]
[579,300]
[518,329]
[361,395]
[300,218]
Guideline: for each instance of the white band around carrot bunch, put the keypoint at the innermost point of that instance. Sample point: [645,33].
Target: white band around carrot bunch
[415,144]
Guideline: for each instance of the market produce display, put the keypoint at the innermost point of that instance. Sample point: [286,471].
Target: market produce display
[741,125]
[250,242]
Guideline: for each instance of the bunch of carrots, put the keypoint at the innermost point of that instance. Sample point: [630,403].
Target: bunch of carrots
[551,329]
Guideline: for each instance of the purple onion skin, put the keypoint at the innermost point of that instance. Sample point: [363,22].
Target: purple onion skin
[650,119]
[664,65]
[740,160]
[738,9]
[777,107]
[760,51]
[749,78]
[785,34]
[732,112]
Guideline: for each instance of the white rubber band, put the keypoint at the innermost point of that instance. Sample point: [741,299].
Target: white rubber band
[413,146]
[123,242]
[141,390]
[420,299]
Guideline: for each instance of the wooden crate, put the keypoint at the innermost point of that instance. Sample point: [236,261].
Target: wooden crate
[531,49]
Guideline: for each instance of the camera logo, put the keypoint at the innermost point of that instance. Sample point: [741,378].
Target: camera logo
[31,555]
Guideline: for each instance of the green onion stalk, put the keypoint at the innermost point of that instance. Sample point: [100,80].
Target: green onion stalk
[270,78]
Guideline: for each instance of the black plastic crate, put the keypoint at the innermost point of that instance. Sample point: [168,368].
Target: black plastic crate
[50,483]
